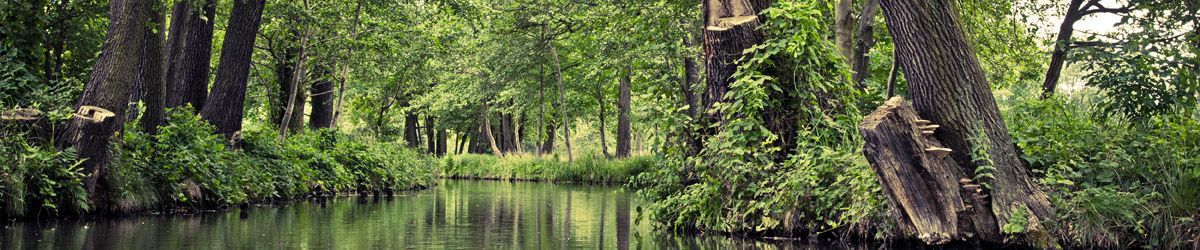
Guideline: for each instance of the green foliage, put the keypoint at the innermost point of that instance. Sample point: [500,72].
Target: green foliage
[528,167]
[985,168]
[39,179]
[746,181]
[1116,183]
[1018,223]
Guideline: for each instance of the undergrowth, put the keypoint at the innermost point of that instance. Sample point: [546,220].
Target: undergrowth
[546,168]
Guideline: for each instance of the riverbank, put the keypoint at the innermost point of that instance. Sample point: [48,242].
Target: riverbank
[187,166]
[523,167]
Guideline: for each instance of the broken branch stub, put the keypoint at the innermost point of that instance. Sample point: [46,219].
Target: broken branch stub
[925,189]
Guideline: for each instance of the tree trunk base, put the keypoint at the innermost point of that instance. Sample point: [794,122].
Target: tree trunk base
[929,195]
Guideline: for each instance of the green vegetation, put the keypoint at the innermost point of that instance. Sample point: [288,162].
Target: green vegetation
[185,165]
[532,168]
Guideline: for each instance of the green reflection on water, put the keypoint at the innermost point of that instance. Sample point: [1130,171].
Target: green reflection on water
[453,215]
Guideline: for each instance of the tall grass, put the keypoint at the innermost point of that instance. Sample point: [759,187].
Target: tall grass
[547,168]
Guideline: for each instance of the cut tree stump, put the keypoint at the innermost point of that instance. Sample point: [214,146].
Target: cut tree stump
[22,120]
[929,195]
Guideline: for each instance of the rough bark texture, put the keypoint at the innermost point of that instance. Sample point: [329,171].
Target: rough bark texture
[948,88]
[843,29]
[101,109]
[410,129]
[322,105]
[623,131]
[930,197]
[152,75]
[731,28]
[228,95]
[189,54]
[864,40]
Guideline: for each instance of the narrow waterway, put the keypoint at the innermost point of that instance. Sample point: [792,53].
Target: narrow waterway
[454,215]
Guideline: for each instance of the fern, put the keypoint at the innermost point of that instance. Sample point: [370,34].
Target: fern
[985,168]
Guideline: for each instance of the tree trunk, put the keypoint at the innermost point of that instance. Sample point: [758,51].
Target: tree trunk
[691,77]
[337,113]
[462,141]
[101,108]
[603,111]
[930,196]
[410,129]
[441,143]
[294,115]
[562,107]
[229,89]
[505,137]
[864,41]
[285,72]
[379,120]
[843,29]
[189,53]
[948,87]
[431,137]
[487,129]
[548,143]
[1061,42]
[541,107]
[623,131]
[152,75]
[731,28]
[322,105]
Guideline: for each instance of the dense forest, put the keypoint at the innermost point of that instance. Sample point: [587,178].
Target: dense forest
[986,122]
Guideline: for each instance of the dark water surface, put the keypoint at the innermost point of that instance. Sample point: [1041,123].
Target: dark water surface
[453,215]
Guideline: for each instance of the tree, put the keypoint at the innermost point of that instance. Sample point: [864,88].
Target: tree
[225,109]
[189,51]
[949,88]
[152,74]
[1077,9]
[101,109]
[322,105]
[623,130]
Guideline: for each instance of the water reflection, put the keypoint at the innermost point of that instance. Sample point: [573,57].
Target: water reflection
[454,215]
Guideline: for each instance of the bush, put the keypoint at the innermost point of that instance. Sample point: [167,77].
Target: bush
[533,168]
[39,179]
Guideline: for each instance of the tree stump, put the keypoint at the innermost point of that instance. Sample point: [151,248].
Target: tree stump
[929,195]
[22,120]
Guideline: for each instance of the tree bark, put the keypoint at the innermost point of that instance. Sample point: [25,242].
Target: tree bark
[189,53]
[562,109]
[322,105]
[285,72]
[431,142]
[603,111]
[930,197]
[229,89]
[864,41]
[486,129]
[441,143]
[101,108]
[506,133]
[337,113]
[1059,57]
[731,27]
[623,128]
[294,115]
[948,87]
[548,143]
[843,29]
[152,75]
[410,129]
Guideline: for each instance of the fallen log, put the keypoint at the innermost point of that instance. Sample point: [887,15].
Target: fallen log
[930,197]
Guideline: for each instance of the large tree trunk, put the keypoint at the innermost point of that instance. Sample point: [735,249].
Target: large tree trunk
[948,87]
[294,115]
[623,131]
[843,29]
[101,109]
[731,27]
[285,72]
[930,197]
[441,143]
[152,75]
[562,109]
[322,105]
[229,89]
[864,41]
[410,129]
[189,53]
[548,143]
[505,136]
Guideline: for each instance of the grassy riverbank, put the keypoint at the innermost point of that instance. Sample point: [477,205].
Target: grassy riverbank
[547,168]
[187,166]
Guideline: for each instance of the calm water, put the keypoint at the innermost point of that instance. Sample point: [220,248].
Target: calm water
[453,215]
